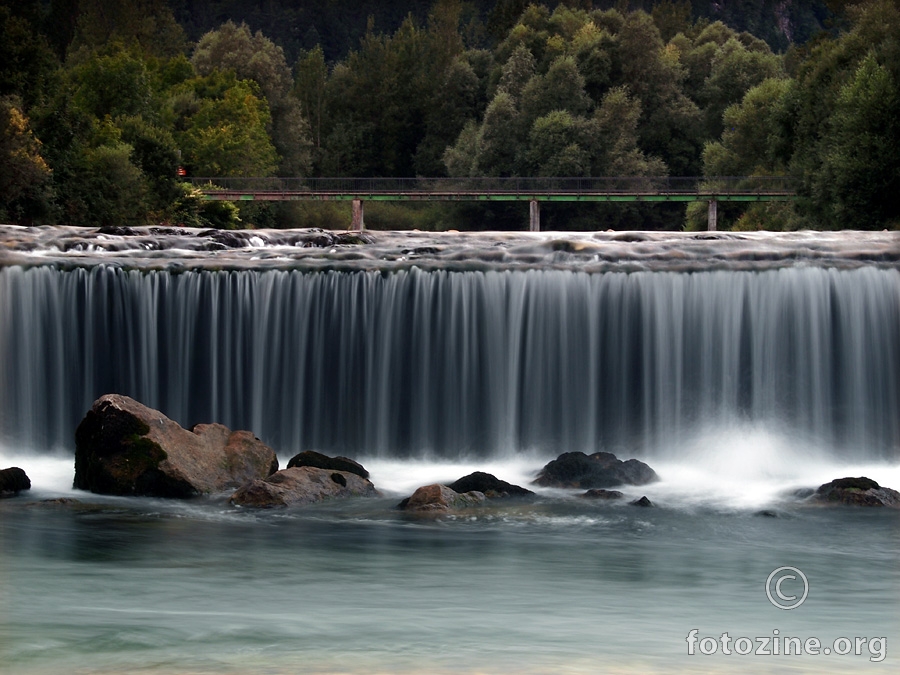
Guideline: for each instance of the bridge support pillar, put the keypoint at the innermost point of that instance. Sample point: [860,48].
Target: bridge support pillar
[535,216]
[357,220]
[712,215]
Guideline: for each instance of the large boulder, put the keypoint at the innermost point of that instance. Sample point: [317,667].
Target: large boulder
[489,485]
[859,491]
[302,485]
[600,470]
[440,498]
[319,461]
[13,480]
[122,447]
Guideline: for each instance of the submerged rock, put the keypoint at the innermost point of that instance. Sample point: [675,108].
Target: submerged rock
[440,498]
[859,491]
[122,447]
[13,481]
[488,484]
[599,493]
[301,485]
[319,461]
[599,470]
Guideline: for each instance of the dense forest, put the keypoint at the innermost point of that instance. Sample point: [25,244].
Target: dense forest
[103,101]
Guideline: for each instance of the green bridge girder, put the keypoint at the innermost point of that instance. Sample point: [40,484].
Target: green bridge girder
[514,189]
[234,195]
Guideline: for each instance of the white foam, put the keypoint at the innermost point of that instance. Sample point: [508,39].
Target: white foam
[745,466]
[50,473]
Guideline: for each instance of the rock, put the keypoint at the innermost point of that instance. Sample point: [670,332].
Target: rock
[320,461]
[860,491]
[643,501]
[301,485]
[600,470]
[598,493]
[766,513]
[13,481]
[122,447]
[488,484]
[440,498]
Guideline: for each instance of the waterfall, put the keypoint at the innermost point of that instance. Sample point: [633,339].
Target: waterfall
[455,363]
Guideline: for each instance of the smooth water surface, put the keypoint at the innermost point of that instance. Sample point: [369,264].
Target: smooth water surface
[560,584]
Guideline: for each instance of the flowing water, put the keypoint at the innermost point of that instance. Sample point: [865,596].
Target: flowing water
[741,367]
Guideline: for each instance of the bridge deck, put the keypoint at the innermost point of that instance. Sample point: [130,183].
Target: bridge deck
[612,189]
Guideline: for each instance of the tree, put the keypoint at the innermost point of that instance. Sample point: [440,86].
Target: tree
[110,189]
[224,123]
[861,168]
[499,137]
[843,110]
[616,121]
[23,171]
[517,72]
[26,60]
[554,149]
[147,25]
[671,17]
[752,143]
[310,81]
[562,88]
[447,117]
[114,83]
[252,56]
[734,70]
[670,124]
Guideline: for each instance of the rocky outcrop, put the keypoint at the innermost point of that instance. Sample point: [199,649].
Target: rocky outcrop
[859,491]
[13,481]
[440,498]
[599,493]
[319,461]
[122,447]
[599,470]
[643,501]
[488,484]
[302,485]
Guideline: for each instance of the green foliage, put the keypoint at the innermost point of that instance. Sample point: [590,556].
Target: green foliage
[861,159]
[110,189]
[251,56]
[112,84]
[734,70]
[23,171]
[147,25]
[464,89]
[310,80]
[751,144]
[223,122]
[26,60]
[844,133]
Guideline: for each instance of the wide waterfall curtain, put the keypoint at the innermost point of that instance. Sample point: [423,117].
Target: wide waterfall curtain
[413,362]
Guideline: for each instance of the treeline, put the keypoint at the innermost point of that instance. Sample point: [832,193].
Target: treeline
[102,102]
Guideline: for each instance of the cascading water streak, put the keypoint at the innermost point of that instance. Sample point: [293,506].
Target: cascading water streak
[453,363]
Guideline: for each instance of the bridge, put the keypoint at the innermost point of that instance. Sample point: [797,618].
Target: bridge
[533,190]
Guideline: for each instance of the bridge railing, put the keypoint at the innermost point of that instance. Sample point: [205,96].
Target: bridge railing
[624,185]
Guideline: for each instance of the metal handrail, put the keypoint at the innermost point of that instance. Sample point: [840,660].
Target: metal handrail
[608,185]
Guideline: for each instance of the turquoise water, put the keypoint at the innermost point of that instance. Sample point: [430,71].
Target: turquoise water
[556,585]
